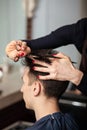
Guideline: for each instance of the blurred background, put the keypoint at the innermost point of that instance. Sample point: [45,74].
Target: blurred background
[31,19]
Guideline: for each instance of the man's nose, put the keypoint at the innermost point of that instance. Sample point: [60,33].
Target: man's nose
[21,89]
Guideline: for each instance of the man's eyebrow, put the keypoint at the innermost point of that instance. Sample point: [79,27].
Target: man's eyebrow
[22,77]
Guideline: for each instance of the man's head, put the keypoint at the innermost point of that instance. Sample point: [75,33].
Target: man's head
[33,87]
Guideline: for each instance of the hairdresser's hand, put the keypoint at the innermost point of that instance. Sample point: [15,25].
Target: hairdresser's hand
[17,49]
[61,69]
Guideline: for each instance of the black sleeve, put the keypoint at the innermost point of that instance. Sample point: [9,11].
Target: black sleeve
[69,34]
[83,85]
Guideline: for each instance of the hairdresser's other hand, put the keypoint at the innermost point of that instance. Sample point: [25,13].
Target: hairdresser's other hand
[17,49]
[61,69]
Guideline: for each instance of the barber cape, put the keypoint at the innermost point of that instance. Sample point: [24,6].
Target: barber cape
[56,121]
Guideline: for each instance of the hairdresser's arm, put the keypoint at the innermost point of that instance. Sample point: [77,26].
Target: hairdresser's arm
[69,34]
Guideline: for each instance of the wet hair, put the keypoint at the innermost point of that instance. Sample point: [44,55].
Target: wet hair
[52,88]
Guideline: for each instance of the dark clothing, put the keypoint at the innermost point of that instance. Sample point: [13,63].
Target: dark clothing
[70,34]
[56,121]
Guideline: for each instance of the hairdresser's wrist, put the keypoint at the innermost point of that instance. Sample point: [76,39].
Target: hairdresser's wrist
[76,77]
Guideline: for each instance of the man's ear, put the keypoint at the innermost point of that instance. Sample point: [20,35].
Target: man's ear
[37,88]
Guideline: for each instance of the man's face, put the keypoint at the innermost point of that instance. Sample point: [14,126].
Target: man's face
[26,89]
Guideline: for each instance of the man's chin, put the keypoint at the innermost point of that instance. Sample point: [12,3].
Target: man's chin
[27,106]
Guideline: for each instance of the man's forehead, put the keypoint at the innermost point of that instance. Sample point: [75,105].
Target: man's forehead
[26,71]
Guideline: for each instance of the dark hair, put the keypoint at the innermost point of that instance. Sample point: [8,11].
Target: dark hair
[52,88]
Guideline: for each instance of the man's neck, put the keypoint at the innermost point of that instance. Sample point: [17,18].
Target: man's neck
[46,107]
